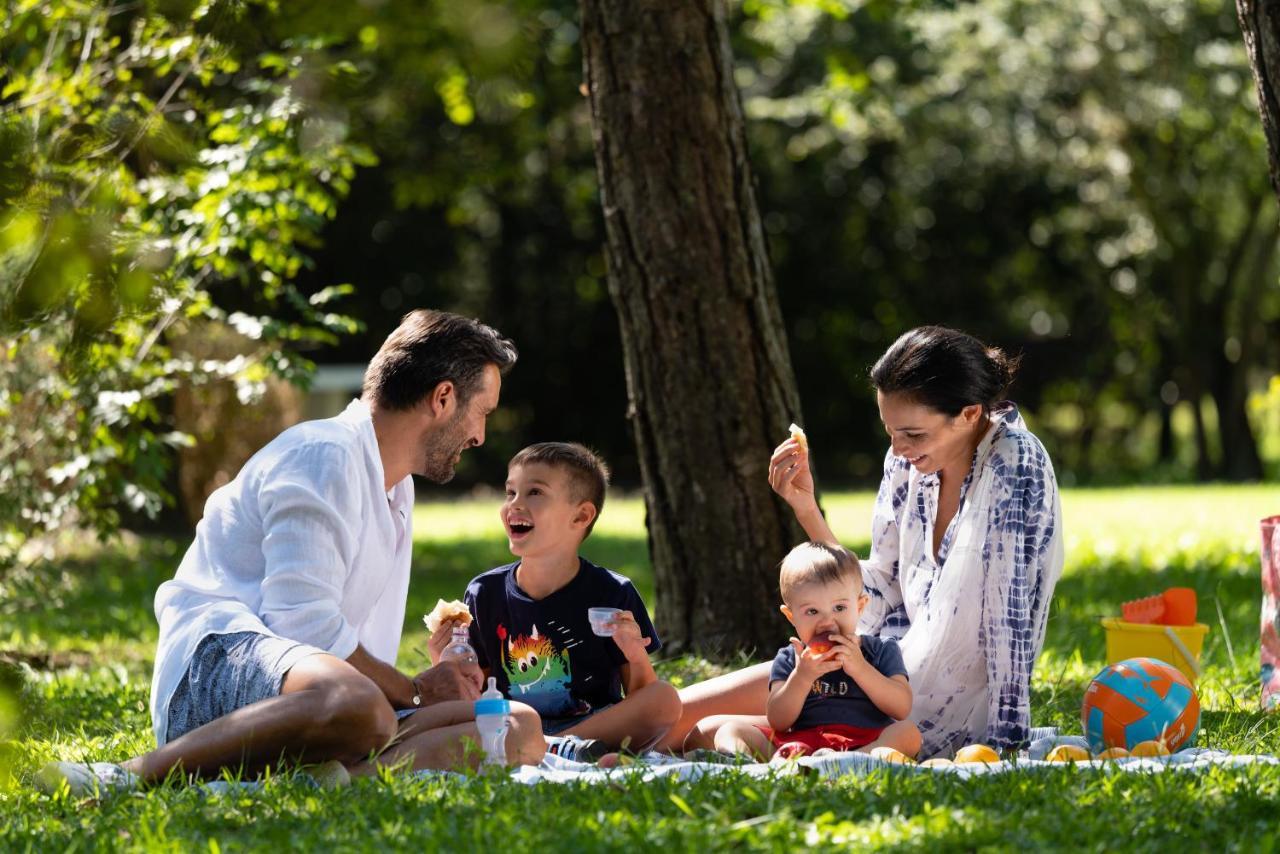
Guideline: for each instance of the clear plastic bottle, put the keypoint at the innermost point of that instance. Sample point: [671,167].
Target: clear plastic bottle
[492,720]
[459,648]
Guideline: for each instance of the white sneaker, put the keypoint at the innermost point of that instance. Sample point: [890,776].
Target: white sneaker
[86,778]
[576,749]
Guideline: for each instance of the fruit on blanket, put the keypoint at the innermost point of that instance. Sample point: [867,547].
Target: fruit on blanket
[1113,753]
[976,753]
[821,644]
[936,762]
[1067,753]
[1155,747]
[1140,699]
[891,754]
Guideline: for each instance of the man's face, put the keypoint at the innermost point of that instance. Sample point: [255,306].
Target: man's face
[443,443]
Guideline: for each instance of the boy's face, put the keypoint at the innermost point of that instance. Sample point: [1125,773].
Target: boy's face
[833,607]
[539,513]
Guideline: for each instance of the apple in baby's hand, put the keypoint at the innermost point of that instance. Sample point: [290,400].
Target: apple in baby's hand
[821,644]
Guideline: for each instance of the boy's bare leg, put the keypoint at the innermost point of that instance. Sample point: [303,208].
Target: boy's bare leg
[444,737]
[704,734]
[900,735]
[640,720]
[326,710]
[743,692]
[736,735]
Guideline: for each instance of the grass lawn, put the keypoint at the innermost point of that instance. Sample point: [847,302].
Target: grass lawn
[78,649]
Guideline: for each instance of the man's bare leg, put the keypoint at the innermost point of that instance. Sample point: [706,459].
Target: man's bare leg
[444,737]
[743,692]
[326,710]
[640,720]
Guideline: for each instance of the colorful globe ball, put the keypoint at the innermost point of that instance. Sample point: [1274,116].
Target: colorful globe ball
[1140,699]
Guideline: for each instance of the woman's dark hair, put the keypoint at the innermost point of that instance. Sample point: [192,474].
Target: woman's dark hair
[945,370]
[428,348]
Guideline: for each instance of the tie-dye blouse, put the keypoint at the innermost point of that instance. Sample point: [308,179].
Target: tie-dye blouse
[971,623]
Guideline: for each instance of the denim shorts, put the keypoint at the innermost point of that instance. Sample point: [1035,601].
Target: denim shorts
[229,672]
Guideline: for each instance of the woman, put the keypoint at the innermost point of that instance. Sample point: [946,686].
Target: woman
[966,547]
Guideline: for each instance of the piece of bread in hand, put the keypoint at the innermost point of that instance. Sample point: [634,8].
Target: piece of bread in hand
[444,611]
[799,436]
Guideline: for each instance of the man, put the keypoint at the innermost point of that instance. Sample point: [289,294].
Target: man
[279,632]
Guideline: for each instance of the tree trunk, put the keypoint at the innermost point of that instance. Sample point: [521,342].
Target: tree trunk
[710,384]
[1260,23]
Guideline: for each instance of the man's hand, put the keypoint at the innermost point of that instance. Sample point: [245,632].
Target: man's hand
[627,635]
[449,680]
[810,665]
[440,639]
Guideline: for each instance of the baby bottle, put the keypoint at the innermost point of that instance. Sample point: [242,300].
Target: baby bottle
[492,710]
[459,649]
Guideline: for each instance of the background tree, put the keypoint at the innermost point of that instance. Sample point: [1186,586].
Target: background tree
[708,374]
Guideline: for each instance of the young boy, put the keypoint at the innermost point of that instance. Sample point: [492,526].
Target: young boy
[529,618]
[830,688]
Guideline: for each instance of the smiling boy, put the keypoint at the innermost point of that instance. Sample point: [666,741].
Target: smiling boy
[530,627]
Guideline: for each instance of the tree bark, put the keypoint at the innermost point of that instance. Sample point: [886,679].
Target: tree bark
[710,384]
[1260,24]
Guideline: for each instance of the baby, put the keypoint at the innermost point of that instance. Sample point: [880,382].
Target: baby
[830,687]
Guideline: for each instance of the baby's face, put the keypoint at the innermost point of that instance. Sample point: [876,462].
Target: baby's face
[816,609]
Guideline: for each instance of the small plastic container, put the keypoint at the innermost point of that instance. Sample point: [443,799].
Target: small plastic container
[1177,645]
[600,618]
[493,719]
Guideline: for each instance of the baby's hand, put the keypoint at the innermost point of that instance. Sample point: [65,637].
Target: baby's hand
[810,665]
[848,651]
[627,635]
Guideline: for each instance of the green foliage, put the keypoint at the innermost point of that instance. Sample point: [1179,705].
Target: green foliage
[165,166]
[82,642]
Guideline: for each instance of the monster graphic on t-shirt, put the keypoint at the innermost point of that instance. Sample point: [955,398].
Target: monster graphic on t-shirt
[539,674]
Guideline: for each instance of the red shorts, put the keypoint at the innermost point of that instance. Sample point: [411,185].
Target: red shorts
[801,742]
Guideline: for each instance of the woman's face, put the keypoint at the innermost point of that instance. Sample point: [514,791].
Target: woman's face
[926,438]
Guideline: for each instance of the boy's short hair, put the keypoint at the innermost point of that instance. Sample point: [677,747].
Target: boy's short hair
[816,563]
[588,474]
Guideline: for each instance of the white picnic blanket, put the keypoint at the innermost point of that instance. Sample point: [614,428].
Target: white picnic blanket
[651,766]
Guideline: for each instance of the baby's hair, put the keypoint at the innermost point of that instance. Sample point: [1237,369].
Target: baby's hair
[816,563]
[588,474]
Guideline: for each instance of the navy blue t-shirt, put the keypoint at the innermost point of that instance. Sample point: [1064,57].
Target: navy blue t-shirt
[834,698]
[543,651]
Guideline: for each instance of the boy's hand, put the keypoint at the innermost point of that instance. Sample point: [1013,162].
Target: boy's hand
[628,637]
[811,665]
[848,651]
[440,639]
[789,474]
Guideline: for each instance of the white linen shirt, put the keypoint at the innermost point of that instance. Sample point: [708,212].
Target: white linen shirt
[971,621]
[305,544]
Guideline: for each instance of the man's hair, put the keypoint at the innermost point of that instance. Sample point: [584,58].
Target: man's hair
[428,348]
[588,475]
[816,563]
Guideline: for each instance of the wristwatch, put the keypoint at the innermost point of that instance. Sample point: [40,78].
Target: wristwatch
[417,692]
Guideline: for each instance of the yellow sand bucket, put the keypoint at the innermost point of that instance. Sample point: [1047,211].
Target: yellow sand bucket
[1177,645]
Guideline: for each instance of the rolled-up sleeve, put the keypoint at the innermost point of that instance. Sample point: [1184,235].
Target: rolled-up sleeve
[311,506]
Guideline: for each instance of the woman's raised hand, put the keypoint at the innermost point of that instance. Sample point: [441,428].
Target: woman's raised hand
[790,477]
